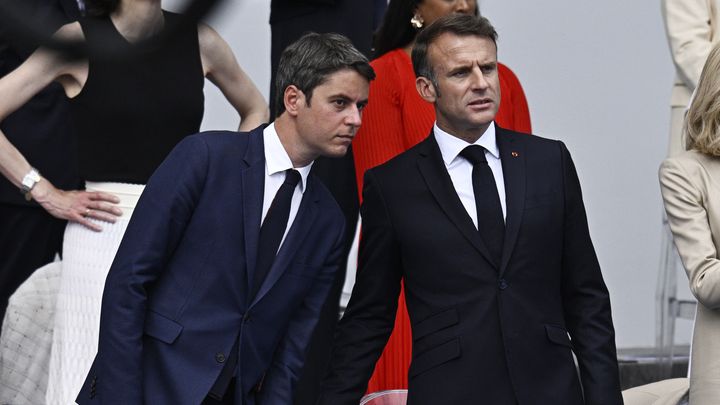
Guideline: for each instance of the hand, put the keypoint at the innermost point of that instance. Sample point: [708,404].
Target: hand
[78,206]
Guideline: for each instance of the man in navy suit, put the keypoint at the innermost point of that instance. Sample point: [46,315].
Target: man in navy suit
[191,313]
[487,230]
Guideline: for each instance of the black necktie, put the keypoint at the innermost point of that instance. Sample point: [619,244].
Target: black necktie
[491,224]
[273,228]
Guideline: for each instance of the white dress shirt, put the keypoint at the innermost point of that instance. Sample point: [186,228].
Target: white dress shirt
[460,169]
[276,162]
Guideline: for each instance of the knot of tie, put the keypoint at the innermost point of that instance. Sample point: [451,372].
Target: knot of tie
[474,153]
[292,177]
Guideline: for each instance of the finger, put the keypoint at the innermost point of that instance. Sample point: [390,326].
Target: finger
[86,223]
[100,196]
[105,207]
[101,215]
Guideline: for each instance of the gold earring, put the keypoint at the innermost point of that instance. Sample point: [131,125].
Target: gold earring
[417,21]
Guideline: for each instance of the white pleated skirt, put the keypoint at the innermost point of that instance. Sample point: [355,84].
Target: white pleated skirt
[87,256]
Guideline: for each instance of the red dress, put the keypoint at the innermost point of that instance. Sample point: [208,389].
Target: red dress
[395,119]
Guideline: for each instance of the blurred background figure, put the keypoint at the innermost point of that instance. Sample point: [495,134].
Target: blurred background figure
[397,118]
[29,236]
[689,184]
[41,130]
[691,27]
[128,114]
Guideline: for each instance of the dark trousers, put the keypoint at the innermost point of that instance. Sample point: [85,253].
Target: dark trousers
[29,239]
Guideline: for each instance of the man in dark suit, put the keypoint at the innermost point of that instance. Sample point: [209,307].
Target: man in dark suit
[487,230]
[357,20]
[203,304]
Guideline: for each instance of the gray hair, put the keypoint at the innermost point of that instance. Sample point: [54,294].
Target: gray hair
[308,62]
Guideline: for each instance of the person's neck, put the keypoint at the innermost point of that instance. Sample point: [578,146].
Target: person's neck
[288,134]
[136,20]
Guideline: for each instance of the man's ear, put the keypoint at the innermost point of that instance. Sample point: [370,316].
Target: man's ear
[293,98]
[426,88]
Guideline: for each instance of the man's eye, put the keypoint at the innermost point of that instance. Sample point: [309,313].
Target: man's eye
[339,103]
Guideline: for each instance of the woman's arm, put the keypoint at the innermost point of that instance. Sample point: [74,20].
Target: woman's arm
[221,67]
[19,86]
[688,218]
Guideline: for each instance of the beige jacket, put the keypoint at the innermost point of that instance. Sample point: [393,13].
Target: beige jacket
[690,185]
[691,27]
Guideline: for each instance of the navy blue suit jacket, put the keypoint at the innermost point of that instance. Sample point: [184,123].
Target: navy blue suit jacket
[176,297]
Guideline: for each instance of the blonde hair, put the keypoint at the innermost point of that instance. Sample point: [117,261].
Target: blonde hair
[702,121]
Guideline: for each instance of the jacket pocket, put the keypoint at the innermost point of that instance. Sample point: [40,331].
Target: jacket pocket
[434,323]
[162,328]
[435,357]
[558,335]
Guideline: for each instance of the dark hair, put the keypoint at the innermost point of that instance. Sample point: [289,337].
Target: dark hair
[396,31]
[100,8]
[458,24]
[307,62]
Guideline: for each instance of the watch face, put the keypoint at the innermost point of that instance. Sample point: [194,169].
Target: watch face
[28,182]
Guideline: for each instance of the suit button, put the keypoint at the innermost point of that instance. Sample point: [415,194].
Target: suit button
[219,357]
[247,318]
[503,284]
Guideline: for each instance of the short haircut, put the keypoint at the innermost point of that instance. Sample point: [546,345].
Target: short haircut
[462,25]
[308,62]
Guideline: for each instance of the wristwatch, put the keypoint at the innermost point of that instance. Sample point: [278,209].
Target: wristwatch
[28,182]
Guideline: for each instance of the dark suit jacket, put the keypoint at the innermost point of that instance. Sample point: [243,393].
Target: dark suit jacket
[176,297]
[482,333]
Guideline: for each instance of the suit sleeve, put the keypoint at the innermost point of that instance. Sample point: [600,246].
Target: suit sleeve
[365,328]
[684,204]
[154,231]
[689,31]
[586,300]
[279,383]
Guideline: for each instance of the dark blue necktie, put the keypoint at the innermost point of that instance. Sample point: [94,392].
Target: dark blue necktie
[273,228]
[271,233]
[491,224]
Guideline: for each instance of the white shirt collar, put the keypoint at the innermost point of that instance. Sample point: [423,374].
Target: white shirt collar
[451,146]
[276,158]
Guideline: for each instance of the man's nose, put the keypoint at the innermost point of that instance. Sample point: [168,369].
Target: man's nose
[354,116]
[479,81]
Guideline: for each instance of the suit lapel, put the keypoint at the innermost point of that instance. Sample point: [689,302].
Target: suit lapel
[253,187]
[298,230]
[512,156]
[432,167]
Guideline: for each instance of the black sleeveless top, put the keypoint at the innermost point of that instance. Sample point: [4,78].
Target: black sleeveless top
[132,112]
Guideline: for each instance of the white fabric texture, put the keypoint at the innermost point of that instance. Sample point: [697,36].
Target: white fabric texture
[50,331]
[27,336]
[87,256]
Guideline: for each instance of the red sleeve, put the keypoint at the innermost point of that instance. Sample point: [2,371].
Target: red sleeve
[514,113]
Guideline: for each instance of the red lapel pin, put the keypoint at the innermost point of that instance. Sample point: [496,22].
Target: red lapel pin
[514,154]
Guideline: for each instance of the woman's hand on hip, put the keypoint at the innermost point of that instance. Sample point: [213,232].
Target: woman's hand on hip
[78,206]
